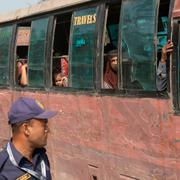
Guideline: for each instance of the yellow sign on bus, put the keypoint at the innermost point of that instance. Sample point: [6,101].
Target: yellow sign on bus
[87,19]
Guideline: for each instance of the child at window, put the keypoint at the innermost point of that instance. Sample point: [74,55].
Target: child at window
[60,80]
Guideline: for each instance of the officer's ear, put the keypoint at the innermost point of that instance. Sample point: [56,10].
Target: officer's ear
[20,127]
[25,128]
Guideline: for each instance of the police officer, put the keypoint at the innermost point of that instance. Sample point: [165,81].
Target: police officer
[24,157]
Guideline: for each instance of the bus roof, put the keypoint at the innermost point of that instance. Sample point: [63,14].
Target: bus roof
[52,5]
[43,7]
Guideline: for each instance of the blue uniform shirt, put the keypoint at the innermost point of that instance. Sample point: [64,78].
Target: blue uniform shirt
[8,171]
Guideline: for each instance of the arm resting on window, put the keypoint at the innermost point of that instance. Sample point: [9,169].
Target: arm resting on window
[23,80]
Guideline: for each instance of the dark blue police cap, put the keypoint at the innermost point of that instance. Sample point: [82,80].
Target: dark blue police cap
[27,108]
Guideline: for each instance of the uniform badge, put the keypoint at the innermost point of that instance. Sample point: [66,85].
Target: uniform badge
[24,177]
[39,104]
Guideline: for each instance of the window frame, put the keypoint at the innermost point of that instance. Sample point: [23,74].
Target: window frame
[50,53]
[14,60]
[97,51]
[120,91]
[13,68]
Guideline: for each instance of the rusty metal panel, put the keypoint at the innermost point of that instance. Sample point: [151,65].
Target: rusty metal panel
[5,101]
[94,172]
[107,137]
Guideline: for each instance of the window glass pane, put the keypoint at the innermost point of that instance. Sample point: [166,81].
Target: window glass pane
[162,24]
[83,48]
[3,75]
[137,33]
[162,34]
[5,43]
[36,77]
[37,49]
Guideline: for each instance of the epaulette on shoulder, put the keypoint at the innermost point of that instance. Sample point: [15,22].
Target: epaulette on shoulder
[3,157]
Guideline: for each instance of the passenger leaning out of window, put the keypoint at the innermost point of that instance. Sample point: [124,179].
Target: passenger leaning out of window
[22,72]
[161,79]
[111,70]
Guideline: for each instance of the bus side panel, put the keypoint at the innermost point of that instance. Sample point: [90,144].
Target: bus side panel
[107,137]
[5,101]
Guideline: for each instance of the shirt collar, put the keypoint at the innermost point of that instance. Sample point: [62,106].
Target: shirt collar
[17,155]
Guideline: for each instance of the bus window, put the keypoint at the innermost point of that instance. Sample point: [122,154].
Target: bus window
[22,47]
[5,43]
[60,50]
[110,70]
[163,23]
[36,56]
[83,49]
[138,28]
[162,81]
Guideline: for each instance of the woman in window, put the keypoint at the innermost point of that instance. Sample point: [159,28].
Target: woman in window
[110,75]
